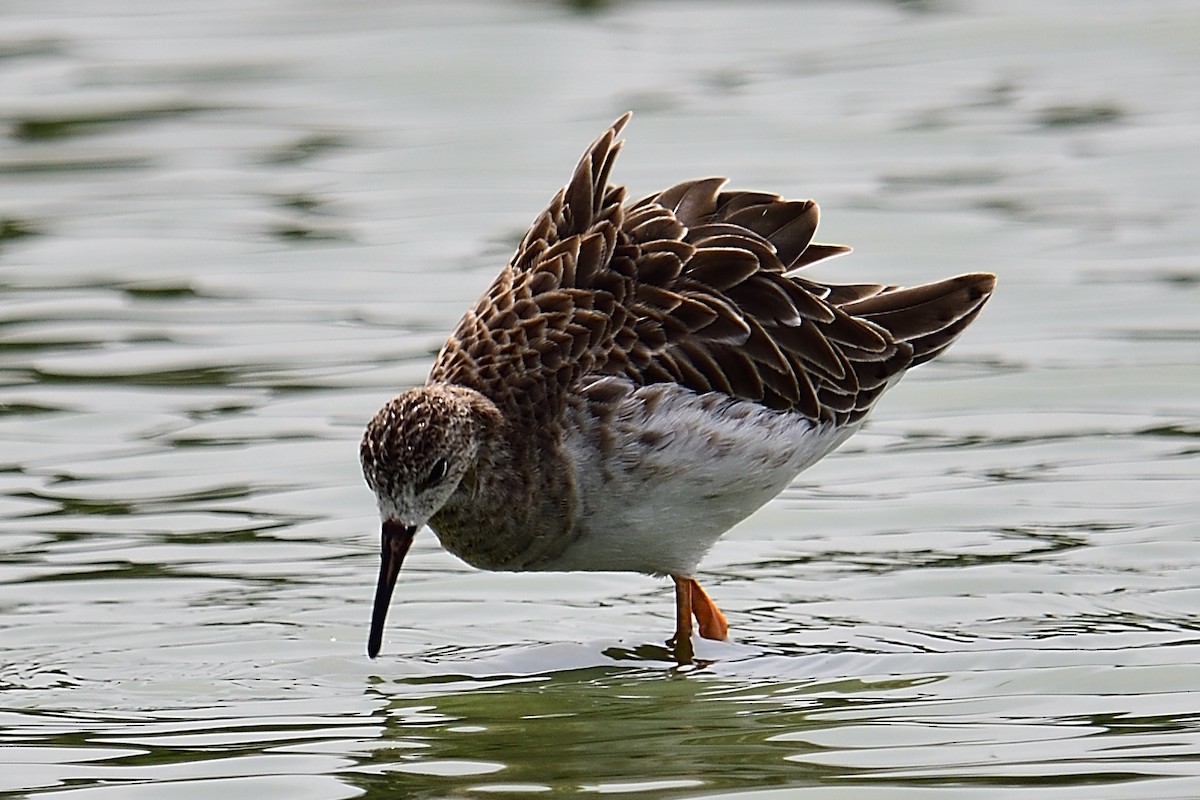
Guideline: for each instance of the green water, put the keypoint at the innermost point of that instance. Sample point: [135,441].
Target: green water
[229,232]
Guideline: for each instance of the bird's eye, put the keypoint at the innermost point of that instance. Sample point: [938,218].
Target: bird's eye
[437,472]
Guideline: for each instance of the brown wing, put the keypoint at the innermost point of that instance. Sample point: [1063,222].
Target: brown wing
[557,307]
[694,286]
[825,351]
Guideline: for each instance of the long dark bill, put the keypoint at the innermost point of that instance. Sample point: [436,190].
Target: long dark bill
[396,540]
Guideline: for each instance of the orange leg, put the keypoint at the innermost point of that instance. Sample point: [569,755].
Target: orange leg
[691,600]
[683,608]
[682,640]
[711,620]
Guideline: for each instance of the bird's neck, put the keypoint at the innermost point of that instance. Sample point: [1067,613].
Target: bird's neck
[513,505]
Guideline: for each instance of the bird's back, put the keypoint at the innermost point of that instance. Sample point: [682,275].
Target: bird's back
[697,287]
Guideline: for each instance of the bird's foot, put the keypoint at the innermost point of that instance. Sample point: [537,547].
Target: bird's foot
[682,650]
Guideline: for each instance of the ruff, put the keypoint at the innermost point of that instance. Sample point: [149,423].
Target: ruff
[639,379]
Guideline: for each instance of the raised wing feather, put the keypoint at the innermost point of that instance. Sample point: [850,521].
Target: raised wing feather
[695,286]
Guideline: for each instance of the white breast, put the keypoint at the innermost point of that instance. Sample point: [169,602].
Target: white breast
[666,474]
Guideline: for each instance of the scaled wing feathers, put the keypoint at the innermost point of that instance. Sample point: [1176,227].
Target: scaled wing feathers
[695,286]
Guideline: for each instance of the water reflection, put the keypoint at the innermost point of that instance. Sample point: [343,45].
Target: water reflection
[629,731]
[610,731]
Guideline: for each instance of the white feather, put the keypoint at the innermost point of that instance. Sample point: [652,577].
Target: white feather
[672,471]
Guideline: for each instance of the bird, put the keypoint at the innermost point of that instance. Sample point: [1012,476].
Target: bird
[637,380]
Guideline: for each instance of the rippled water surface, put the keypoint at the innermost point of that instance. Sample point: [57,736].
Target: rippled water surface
[229,232]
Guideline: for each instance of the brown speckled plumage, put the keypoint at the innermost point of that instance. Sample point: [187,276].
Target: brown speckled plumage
[693,286]
[639,378]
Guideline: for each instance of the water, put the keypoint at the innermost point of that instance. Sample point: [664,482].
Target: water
[229,232]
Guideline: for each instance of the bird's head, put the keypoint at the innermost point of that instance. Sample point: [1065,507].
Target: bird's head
[414,454]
